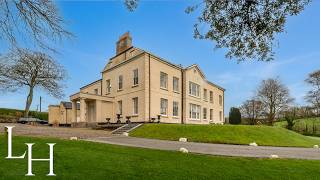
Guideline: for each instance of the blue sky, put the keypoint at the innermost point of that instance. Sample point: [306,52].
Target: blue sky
[162,27]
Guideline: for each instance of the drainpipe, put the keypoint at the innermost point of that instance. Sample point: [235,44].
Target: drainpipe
[149,90]
[182,92]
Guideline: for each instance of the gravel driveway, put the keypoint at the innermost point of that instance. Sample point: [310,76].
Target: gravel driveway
[58,132]
[213,149]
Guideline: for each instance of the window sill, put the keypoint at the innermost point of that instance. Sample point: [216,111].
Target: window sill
[108,93]
[163,115]
[198,97]
[205,100]
[194,119]
[175,117]
[120,90]
[176,92]
[134,115]
[136,85]
[166,89]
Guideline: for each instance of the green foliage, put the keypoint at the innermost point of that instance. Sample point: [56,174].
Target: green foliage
[234,116]
[87,160]
[306,126]
[247,27]
[225,134]
[19,113]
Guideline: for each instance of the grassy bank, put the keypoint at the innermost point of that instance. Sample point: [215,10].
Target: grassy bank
[17,113]
[226,134]
[307,126]
[86,160]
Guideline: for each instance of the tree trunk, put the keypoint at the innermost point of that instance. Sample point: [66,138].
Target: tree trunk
[28,103]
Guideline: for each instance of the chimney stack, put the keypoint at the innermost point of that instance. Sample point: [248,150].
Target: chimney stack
[124,43]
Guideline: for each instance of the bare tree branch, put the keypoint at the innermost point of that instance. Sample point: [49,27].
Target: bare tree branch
[25,68]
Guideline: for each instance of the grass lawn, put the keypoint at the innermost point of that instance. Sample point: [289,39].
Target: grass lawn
[87,160]
[226,134]
[307,126]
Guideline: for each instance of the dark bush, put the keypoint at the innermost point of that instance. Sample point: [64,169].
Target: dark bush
[234,116]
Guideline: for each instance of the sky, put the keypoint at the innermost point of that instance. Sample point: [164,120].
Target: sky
[163,28]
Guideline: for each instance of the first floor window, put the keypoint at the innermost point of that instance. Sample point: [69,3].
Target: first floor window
[135,105]
[96,91]
[211,96]
[205,97]
[163,106]
[194,89]
[175,108]
[211,114]
[135,77]
[220,100]
[204,113]
[175,84]
[163,80]
[120,107]
[108,85]
[120,82]
[194,111]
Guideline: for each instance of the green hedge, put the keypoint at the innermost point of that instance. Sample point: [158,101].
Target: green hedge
[19,113]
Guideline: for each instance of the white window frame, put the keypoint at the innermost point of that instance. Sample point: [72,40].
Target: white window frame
[163,77]
[135,77]
[205,113]
[175,109]
[120,82]
[205,94]
[175,84]
[194,111]
[194,89]
[135,102]
[108,85]
[211,96]
[163,107]
[120,107]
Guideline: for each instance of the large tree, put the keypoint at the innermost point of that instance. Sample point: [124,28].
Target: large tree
[247,28]
[274,96]
[25,68]
[252,109]
[313,96]
[35,22]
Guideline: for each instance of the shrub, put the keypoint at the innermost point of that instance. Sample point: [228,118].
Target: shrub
[234,116]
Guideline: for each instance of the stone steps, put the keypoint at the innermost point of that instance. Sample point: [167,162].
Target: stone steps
[126,128]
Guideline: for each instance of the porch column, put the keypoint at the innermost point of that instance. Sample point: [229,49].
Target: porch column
[98,111]
[83,110]
[74,111]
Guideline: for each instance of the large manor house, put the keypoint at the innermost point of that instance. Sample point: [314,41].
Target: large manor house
[139,86]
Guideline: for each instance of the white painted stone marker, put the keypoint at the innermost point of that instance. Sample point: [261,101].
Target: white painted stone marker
[73,138]
[183,139]
[253,144]
[184,150]
[274,156]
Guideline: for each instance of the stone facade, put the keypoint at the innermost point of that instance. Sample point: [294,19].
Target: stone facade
[144,87]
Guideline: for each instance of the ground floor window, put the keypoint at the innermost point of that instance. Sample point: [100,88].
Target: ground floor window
[135,105]
[211,114]
[119,107]
[175,108]
[163,106]
[220,115]
[204,114]
[194,111]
